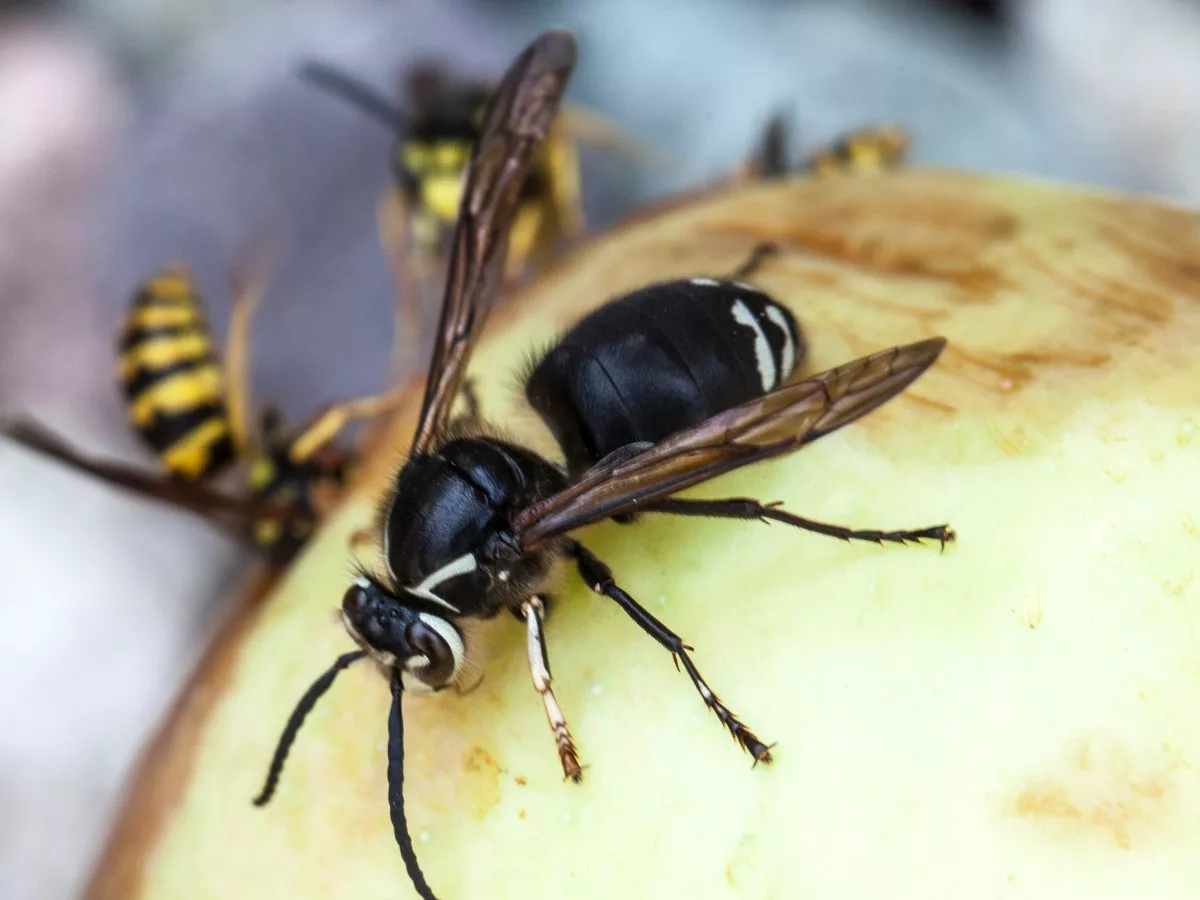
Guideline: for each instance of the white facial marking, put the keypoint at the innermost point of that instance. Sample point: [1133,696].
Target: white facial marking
[464,565]
[432,598]
[450,635]
[352,630]
[387,660]
[461,566]
[762,347]
[788,360]
[503,576]
[705,282]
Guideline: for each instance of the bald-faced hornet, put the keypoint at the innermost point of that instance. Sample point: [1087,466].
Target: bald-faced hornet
[655,392]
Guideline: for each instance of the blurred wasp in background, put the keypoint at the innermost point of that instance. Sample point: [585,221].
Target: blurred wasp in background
[193,410]
[869,150]
[436,129]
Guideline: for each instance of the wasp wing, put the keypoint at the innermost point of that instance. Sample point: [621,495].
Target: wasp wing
[518,116]
[230,511]
[588,127]
[772,425]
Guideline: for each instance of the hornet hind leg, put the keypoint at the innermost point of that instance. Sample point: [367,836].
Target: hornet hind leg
[599,578]
[749,509]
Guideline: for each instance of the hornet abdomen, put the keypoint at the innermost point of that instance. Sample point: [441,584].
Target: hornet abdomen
[660,359]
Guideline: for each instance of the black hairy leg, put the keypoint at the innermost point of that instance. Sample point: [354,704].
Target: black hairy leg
[749,509]
[599,578]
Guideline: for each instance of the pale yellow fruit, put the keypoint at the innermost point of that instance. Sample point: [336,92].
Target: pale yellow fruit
[1016,717]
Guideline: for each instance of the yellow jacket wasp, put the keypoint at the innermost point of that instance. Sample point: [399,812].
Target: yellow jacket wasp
[868,150]
[193,411]
[436,127]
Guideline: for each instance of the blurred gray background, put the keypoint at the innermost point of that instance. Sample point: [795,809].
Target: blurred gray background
[135,132]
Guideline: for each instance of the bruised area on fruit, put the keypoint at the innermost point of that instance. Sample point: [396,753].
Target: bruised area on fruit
[1017,713]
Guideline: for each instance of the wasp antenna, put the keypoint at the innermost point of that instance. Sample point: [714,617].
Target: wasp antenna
[354,92]
[396,791]
[296,719]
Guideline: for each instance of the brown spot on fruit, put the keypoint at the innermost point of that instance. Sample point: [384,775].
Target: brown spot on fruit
[1189,525]
[1001,227]
[479,760]
[977,282]
[1102,794]
[995,371]
[1063,356]
[928,402]
[482,781]
[1011,372]
[745,868]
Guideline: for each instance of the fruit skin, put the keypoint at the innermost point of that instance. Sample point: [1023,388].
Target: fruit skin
[1015,716]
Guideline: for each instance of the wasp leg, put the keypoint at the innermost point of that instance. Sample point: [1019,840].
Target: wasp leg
[408,272]
[562,216]
[585,126]
[534,614]
[771,159]
[565,191]
[330,422]
[599,578]
[468,422]
[759,255]
[395,238]
[744,508]
[249,286]
[767,161]
[471,397]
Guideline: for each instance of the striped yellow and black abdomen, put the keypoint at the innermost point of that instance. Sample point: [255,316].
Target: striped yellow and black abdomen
[172,379]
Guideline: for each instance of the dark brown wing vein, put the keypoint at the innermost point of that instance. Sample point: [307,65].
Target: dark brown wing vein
[777,423]
[518,115]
